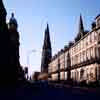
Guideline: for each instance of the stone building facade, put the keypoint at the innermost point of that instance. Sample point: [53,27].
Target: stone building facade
[10,68]
[80,59]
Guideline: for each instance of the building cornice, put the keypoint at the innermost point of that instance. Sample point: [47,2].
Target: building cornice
[80,65]
[88,62]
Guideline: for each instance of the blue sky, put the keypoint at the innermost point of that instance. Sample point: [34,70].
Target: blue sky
[62,16]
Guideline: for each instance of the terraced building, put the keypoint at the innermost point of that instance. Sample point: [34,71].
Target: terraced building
[80,59]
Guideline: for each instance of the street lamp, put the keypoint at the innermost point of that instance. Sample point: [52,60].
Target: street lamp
[28,55]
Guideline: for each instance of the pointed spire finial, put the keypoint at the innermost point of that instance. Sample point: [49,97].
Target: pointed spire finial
[47,26]
[80,15]
[81,27]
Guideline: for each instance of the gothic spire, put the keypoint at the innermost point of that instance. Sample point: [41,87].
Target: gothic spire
[81,27]
[47,43]
[80,30]
[3,12]
[47,52]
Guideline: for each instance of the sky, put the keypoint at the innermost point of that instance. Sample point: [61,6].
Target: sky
[62,17]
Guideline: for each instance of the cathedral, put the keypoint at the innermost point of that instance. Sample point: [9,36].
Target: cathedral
[80,59]
[9,49]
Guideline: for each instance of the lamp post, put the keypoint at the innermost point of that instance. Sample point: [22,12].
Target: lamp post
[28,55]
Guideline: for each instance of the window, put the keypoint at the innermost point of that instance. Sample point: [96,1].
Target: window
[56,67]
[78,47]
[72,61]
[65,75]
[83,56]
[99,23]
[91,52]
[86,41]
[87,54]
[78,58]
[99,38]
[71,74]
[81,73]
[95,36]
[98,52]
[66,61]
[81,44]
[89,39]
[62,75]
[92,37]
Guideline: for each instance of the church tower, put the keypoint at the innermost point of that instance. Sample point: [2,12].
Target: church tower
[14,47]
[46,51]
[14,41]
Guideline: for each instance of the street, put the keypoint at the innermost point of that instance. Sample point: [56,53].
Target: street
[56,93]
[48,93]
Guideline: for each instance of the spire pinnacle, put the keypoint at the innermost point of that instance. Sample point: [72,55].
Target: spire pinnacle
[47,28]
[47,25]
[81,27]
